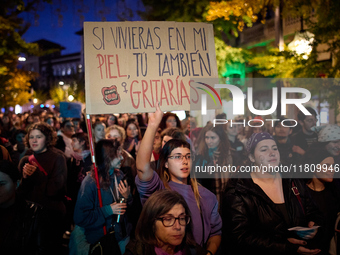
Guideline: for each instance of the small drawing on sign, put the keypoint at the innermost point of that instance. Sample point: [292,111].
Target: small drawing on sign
[124,86]
[110,95]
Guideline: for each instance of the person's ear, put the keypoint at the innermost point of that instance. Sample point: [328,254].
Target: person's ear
[166,164]
[251,158]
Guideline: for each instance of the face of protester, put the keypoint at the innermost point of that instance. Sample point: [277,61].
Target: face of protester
[281,131]
[257,129]
[308,123]
[125,116]
[212,140]
[179,169]
[36,119]
[99,131]
[50,122]
[30,120]
[232,131]
[333,148]
[188,124]
[157,142]
[114,134]
[117,161]
[20,137]
[68,129]
[326,175]
[7,191]
[266,154]
[132,130]
[76,145]
[76,124]
[5,120]
[37,141]
[111,120]
[171,122]
[170,236]
[166,138]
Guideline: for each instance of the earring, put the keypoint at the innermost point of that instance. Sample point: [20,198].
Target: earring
[167,177]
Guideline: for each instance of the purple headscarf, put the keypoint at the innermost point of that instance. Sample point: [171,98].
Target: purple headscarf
[256,138]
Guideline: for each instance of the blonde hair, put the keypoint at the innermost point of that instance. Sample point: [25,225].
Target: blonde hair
[120,130]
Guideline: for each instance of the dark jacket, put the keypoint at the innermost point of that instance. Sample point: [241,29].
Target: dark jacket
[23,229]
[138,248]
[253,224]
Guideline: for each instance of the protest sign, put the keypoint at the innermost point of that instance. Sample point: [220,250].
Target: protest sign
[129,66]
[70,110]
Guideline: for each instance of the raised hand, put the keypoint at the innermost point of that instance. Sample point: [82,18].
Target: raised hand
[156,117]
[124,189]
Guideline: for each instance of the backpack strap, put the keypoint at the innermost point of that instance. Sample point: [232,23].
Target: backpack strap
[297,194]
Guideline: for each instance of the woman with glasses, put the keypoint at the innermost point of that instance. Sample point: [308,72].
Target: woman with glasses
[174,166]
[164,227]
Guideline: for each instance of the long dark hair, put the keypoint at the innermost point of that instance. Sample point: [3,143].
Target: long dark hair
[162,125]
[105,152]
[223,147]
[158,204]
[132,121]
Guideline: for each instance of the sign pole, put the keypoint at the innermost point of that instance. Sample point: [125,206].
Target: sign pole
[89,129]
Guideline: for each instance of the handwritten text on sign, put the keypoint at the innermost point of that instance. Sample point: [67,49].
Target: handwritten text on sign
[129,66]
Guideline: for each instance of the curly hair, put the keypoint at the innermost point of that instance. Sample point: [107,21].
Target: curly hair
[162,125]
[48,132]
[120,130]
[173,132]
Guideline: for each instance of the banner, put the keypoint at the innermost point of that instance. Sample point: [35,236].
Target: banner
[70,110]
[129,66]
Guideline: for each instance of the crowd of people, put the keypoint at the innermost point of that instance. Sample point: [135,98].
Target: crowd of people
[143,196]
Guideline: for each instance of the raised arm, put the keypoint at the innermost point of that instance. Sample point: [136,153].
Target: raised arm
[144,170]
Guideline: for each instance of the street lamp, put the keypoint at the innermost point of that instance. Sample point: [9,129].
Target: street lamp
[302,43]
[70,98]
[65,88]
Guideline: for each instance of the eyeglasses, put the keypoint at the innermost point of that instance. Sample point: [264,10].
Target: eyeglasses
[169,221]
[179,157]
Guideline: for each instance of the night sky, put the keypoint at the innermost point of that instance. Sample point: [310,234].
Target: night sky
[58,22]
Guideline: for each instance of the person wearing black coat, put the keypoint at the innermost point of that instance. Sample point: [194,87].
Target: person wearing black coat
[252,222]
[23,223]
[257,212]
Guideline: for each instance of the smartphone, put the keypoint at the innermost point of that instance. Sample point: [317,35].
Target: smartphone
[125,177]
